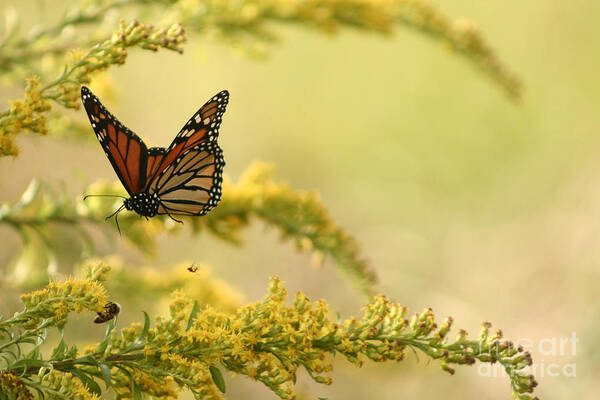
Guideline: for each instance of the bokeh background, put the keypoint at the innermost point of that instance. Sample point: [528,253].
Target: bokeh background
[462,200]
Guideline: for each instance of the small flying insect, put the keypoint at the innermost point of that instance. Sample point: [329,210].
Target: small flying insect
[111,310]
[192,268]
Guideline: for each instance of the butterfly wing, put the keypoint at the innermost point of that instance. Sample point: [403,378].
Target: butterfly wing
[155,158]
[202,127]
[187,176]
[191,185]
[125,150]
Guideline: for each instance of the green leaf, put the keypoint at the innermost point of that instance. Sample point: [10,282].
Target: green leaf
[217,378]
[59,351]
[41,394]
[137,393]
[104,344]
[28,196]
[87,381]
[26,363]
[11,353]
[193,314]
[146,327]
[106,375]
[6,360]
[139,342]
[71,352]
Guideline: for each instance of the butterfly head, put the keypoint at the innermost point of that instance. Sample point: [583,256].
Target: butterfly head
[145,204]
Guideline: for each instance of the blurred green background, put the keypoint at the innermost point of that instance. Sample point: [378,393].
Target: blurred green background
[461,199]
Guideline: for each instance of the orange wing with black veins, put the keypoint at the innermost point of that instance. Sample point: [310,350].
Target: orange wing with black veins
[203,127]
[126,152]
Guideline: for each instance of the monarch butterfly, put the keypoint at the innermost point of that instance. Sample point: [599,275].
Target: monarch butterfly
[183,179]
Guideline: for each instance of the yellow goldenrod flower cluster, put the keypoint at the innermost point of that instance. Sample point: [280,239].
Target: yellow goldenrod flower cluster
[63,385]
[96,270]
[463,37]
[267,341]
[13,387]
[53,304]
[165,388]
[139,284]
[31,113]
[246,22]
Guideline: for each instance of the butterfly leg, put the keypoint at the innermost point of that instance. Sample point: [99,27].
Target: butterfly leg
[117,222]
[116,215]
[174,219]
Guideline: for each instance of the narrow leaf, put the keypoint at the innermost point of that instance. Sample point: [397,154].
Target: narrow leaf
[139,342]
[137,393]
[6,360]
[12,354]
[217,378]
[104,344]
[59,351]
[146,327]
[106,375]
[193,314]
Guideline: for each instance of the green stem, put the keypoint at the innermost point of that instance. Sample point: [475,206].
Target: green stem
[78,19]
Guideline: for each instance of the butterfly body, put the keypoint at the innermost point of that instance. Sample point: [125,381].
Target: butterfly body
[145,204]
[183,179]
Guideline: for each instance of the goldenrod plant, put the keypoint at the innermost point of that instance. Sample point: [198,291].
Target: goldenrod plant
[242,23]
[31,112]
[208,333]
[47,216]
[268,341]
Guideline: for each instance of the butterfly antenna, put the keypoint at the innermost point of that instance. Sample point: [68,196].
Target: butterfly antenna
[102,195]
[116,215]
